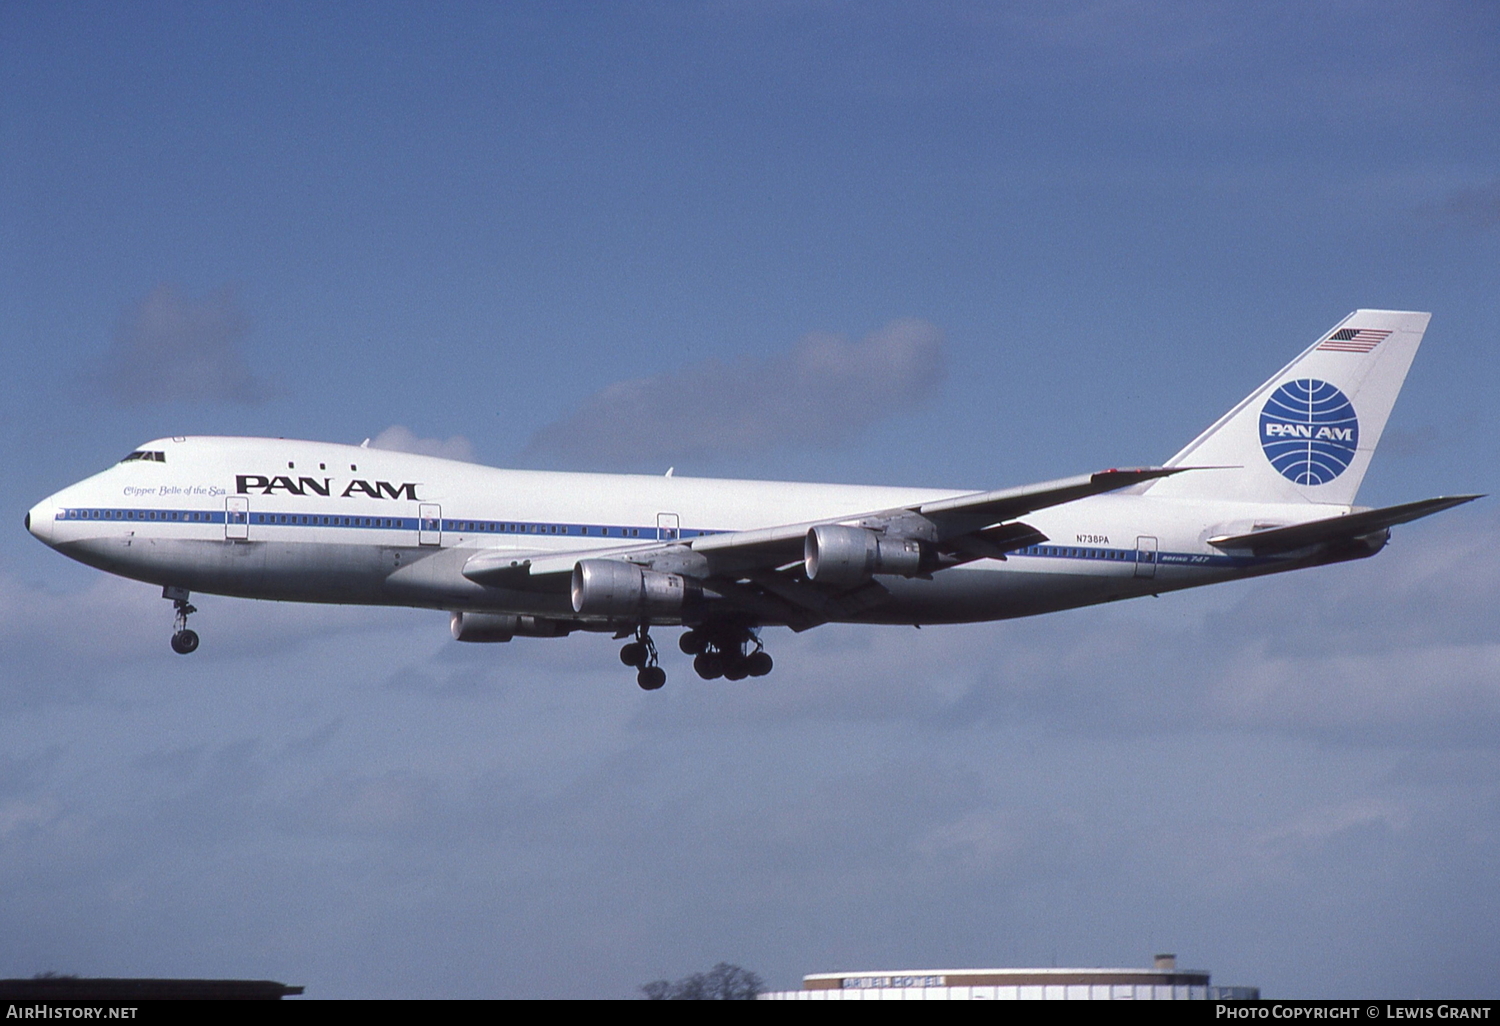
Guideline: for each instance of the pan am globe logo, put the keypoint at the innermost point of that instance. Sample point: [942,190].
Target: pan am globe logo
[1308,431]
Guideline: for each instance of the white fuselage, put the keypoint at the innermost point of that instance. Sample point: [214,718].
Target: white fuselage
[319,522]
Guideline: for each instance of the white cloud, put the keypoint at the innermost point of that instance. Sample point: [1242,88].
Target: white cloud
[174,349]
[825,390]
[1422,688]
[402,439]
[1317,827]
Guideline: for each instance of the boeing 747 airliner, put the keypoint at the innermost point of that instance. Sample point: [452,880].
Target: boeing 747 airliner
[1268,487]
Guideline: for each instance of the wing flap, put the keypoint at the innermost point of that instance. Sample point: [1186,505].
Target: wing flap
[995,542]
[511,568]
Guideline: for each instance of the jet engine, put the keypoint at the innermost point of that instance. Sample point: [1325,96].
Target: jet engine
[846,556]
[504,626]
[610,587]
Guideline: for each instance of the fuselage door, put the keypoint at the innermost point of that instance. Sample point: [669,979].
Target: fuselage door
[666,527]
[236,518]
[430,524]
[1145,556]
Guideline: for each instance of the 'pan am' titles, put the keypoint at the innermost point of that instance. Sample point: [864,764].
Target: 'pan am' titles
[1309,432]
[261,484]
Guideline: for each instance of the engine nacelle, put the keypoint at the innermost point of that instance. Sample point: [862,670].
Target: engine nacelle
[846,556]
[610,587]
[503,627]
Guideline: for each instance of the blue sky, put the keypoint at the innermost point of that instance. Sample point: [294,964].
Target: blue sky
[943,244]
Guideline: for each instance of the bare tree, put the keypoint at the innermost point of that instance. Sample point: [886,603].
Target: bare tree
[724,982]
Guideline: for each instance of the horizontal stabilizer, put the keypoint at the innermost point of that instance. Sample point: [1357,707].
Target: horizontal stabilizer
[1353,525]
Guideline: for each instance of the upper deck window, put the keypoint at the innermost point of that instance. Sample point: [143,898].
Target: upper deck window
[155,457]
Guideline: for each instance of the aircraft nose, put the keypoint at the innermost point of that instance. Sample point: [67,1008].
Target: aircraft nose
[40,520]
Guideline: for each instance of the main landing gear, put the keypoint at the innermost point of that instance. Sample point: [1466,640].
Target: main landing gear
[733,653]
[184,641]
[718,650]
[641,653]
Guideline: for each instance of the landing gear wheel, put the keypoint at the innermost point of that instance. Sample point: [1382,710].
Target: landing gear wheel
[184,641]
[641,653]
[730,650]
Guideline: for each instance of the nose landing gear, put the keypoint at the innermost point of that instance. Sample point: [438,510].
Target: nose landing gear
[184,641]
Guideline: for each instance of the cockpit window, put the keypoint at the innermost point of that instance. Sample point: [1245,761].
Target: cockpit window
[155,457]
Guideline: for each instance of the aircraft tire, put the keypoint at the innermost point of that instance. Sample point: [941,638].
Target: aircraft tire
[759,664]
[634,654]
[185,642]
[651,677]
[736,669]
[691,643]
[708,665]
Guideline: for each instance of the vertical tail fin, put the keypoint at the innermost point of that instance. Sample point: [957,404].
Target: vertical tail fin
[1308,433]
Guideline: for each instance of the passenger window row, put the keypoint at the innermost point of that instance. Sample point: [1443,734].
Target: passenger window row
[1065,552]
[139,514]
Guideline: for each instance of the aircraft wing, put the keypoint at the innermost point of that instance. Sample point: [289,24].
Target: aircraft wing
[966,527]
[940,521]
[1331,529]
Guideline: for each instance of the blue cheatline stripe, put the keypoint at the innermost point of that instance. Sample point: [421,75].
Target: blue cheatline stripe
[621,532]
[500,527]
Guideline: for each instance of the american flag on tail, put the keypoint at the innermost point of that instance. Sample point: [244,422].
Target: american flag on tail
[1354,340]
